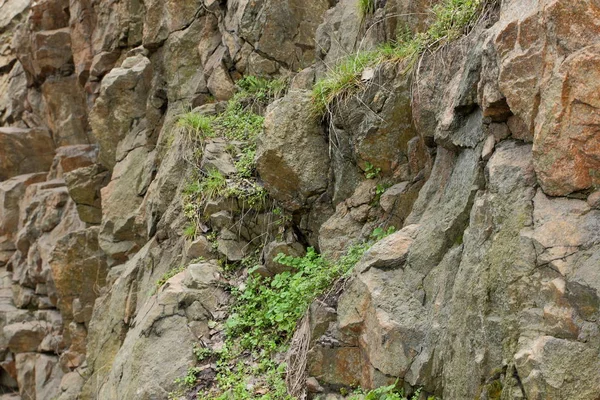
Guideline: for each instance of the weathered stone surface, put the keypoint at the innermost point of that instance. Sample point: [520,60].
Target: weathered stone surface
[490,288]
[165,17]
[398,200]
[10,10]
[378,124]
[52,53]
[13,91]
[25,337]
[66,111]
[339,33]
[11,193]
[199,248]
[162,324]
[292,156]
[123,226]
[25,151]
[216,157]
[183,67]
[78,269]
[539,66]
[348,225]
[84,186]
[283,33]
[124,89]
[220,84]
[232,246]
[38,375]
[566,142]
[69,158]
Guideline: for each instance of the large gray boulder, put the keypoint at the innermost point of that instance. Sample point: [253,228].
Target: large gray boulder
[292,157]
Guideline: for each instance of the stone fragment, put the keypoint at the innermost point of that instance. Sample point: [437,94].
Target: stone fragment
[124,89]
[346,225]
[52,53]
[594,199]
[566,143]
[69,158]
[199,248]
[292,157]
[84,186]
[488,148]
[220,84]
[22,337]
[66,111]
[231,246]
[78,269]
[216,157]
[24,151]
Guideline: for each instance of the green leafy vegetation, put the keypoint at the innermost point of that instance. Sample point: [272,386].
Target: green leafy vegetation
[264,317]
[451,20]
[371,172]
[391,392]
[239,124]
[261,89]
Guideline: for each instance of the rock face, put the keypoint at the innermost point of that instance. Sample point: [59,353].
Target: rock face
[292,155]
[486,161]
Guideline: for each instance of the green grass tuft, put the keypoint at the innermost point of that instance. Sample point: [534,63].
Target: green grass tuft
[197,125]
[366,7]
[213,184]
[452,19]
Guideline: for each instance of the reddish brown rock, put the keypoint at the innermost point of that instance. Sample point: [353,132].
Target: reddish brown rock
[52,53]
[11,193]
[69,158]
[23,151]
[549,72]
[66,112]
[78,269]
[567,137]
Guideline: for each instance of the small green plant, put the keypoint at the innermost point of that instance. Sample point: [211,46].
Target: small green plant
[190,231]
[262,89]
[245,165]
[197,125]
[371,172]
[391,392]
[380,233]
[366,7]
[213,184]
[202,353]
[341,81]
[189,380]
[168,275]
[264,317]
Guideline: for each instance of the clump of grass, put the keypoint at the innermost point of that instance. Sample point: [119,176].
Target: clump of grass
[391,392]
[342,80]
[366,7]
[452,19]
[238,123]
[213,184]
[261,89]
[198,126]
